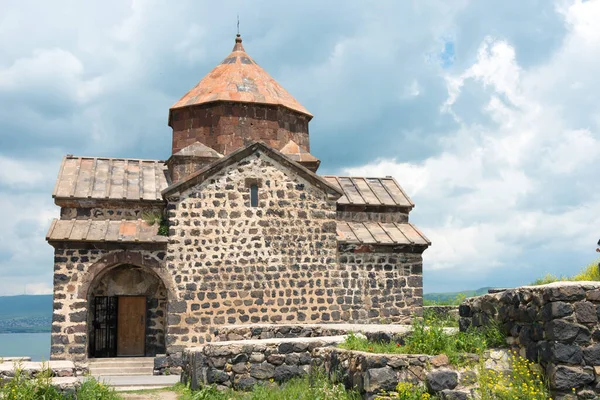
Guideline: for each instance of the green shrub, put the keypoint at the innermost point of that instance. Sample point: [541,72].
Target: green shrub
[315,386]
[523,382]
[589,273]
[22,387]
[433,339]
[91,389]
[407,391]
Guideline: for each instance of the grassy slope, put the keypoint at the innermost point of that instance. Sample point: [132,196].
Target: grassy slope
[451,296]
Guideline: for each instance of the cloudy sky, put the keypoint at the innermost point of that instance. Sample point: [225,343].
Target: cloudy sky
[486,112]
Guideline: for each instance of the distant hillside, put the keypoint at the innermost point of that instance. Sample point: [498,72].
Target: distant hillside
[25,314]
[450,297]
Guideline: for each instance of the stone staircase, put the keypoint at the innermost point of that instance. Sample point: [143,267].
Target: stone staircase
[121,366]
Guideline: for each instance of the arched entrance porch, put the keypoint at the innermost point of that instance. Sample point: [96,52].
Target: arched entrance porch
[127,313]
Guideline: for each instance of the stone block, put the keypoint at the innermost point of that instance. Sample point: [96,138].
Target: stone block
[556,309]
[591,355]
[585,312]
[262,371]
[562,377]
[441,379]
[379,379]
[565,331]
[564,292]
[284,373]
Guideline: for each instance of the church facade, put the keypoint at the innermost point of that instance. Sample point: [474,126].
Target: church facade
[235,227]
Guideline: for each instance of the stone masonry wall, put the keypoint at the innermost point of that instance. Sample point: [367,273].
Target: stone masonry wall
[557,324]
[237,264]
[379,287]
[243,364]
[116,212]
[377,216]
[74,273]
[227,127]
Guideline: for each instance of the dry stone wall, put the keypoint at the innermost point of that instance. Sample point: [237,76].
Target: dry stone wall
[245,363]
[556,324]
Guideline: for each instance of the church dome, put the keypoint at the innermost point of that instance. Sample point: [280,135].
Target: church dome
[238,78]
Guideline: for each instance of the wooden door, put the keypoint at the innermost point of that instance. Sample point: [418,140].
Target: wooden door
[131,326]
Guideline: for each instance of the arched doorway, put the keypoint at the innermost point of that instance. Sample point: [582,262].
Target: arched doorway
[127,308]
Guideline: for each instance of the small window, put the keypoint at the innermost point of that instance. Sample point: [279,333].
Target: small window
[254,195]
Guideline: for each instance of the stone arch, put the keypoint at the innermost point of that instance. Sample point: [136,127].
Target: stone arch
[112,280]
[117,258]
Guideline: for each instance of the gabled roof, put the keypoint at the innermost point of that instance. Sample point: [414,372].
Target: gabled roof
[375,192]
[382,233]
[110,179]
[239,79]
[238,155]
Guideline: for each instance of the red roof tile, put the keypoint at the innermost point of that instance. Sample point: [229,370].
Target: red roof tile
[239,78]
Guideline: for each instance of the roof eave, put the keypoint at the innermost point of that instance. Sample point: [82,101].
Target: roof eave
[174,107]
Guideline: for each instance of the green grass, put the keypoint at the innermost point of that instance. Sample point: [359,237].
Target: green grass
[588,273]
[431,317]
[315,386]
[432,339]
[21,387]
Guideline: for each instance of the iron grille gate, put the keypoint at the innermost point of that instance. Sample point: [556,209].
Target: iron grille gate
[104,340]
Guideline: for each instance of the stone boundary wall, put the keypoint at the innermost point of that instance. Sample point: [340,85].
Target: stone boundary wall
[60,369]
[242,364]
[265,331]
[371,374]
[555,324]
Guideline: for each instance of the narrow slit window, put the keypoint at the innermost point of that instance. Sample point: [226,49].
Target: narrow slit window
[254,195]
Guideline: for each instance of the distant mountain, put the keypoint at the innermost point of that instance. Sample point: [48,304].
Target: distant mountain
[25,313]
[451,297]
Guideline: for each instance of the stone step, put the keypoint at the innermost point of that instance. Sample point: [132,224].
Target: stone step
[145,363]
[92,361]
[138,382]
[120,371]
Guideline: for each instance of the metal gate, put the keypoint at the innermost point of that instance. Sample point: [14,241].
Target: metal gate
[103,342]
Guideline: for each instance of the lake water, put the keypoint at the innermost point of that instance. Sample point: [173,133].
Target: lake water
[34,345]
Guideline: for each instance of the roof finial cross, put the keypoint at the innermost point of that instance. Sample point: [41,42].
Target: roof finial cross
[238,24]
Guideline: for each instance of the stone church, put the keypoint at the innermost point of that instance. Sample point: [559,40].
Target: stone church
[235,227]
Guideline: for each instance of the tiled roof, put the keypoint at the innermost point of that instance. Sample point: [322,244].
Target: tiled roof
[370,191]
[198,149]
[238,78]
[110,179]
[87,230]
[297,153]
[380,233]
[138,231]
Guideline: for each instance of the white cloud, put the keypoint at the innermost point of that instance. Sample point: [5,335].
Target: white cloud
[521,186]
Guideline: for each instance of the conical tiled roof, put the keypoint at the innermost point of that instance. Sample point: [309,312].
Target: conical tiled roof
[238,78]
